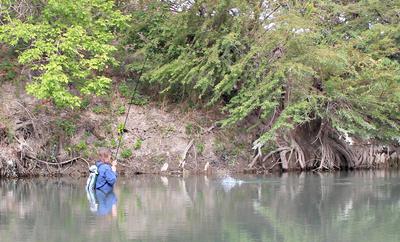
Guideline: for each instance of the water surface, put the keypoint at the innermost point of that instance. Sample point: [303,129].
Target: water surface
[360,206]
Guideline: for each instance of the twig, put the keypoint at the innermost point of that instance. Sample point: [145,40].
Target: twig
[209,129]
[273,11]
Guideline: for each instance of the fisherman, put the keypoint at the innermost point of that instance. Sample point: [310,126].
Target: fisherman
[107,172]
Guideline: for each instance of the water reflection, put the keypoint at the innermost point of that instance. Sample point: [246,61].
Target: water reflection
[361,206]
[100,202]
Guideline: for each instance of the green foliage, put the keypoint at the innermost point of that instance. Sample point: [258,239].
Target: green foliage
[200,148]
[139,100]
[85,103]
[67,126]
[81,146]
[136,98]
[124,90]
[120,128]
[100,143]
[126,153]
[99,109]
[7,71]
[192,129]
[121,110]
[113,143]
[337,62]
[138,144]
[69,45]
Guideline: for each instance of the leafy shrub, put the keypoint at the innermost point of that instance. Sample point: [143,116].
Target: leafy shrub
[70,44]
[139,100]
[138,144]
[113,143]
[121,110]
[81,145]
[124,90]
[126,153]
[99,109]
[66,126]
[200,148]
[192,129]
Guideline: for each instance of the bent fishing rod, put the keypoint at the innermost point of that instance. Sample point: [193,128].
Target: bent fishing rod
[129,109]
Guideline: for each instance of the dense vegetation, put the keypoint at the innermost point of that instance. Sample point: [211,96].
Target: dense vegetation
[301,74]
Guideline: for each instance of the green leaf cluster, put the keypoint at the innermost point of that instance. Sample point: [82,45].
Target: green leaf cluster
[68,47]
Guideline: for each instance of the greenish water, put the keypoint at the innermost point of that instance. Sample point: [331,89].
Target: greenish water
[359,206]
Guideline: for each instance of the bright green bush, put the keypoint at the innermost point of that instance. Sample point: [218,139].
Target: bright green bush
[126,153]
[69,46]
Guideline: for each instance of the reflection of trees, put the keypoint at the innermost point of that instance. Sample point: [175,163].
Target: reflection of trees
[333,207]
[42,210]
[358,206]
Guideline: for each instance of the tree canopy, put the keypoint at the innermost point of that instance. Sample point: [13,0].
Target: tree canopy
[288,62]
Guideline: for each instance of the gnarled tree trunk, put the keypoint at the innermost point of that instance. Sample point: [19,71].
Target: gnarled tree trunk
[317,146]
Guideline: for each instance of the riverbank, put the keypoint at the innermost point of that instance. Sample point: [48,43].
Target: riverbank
[38,139]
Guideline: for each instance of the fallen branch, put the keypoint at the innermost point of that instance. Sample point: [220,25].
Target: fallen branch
[31,117]
[52,163]
[255,159]
[183,159]
[205,131]
[87,162]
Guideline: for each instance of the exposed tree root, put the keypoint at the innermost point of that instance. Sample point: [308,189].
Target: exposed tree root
[318,147]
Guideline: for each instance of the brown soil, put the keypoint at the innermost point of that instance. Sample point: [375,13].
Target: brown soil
[38,139]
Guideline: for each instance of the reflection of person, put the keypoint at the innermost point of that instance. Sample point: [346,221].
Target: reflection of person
[100,202]
[106,202]
[91,196]
[107,173]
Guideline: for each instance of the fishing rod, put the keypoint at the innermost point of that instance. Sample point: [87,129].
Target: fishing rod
[129,108]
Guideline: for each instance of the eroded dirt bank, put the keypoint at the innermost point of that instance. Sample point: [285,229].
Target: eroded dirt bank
[38,139]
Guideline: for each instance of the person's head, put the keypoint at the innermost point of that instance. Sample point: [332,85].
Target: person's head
[104,155]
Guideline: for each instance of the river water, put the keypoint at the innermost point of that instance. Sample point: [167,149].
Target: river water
[354,206]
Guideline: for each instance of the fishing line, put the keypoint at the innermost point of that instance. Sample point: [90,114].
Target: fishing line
[129,108]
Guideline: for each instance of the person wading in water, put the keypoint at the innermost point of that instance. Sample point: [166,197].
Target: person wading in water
[107,172]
